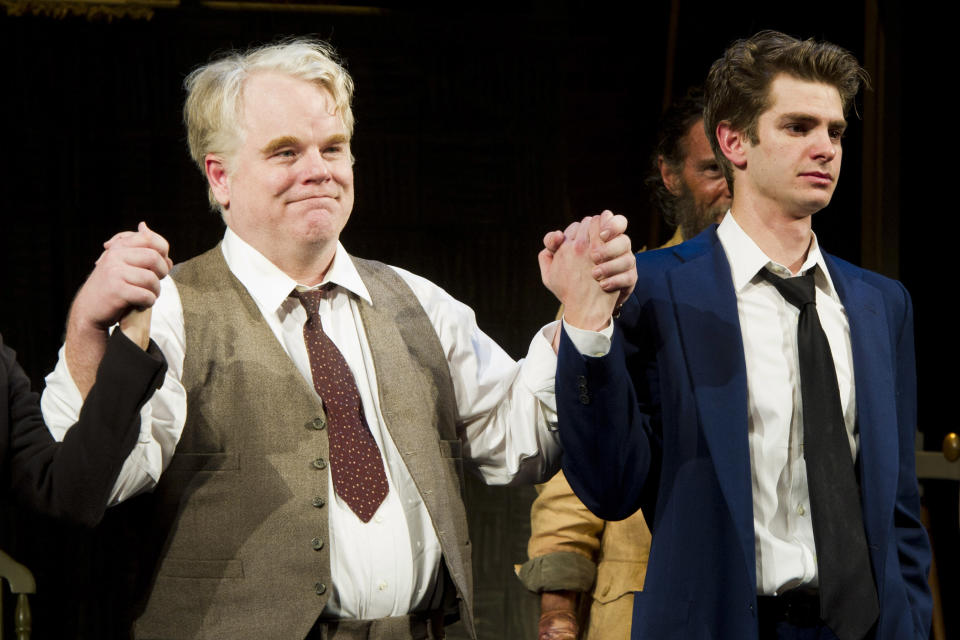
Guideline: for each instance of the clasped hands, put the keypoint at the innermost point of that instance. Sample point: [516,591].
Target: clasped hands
[590,268]
[124,283]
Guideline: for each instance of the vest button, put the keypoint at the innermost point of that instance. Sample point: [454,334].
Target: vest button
[318,502]
[320,463]
[320,588]
[317,544]
[317,423]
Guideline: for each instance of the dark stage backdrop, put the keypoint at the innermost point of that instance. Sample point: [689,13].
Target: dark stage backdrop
[478,129]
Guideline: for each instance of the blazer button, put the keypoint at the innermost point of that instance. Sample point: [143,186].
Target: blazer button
[317,544]
[317,423]
[320,588]
[320,463]
[318,502]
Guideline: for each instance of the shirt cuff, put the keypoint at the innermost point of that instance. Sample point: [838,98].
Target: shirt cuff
[538,370]
[590,343]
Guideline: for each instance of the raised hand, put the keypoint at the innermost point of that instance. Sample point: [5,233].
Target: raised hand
[590,268]
[126,278]
[127,275]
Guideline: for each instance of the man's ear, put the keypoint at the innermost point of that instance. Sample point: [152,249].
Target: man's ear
[216,170]
[671,179]
[733,144]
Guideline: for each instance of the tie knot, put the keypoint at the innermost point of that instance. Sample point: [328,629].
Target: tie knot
[799,291]
[310,299]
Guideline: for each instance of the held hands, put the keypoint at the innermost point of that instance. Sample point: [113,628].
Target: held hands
[590,267]
[123,284]
[127,276]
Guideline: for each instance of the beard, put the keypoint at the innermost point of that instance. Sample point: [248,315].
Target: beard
[691,217]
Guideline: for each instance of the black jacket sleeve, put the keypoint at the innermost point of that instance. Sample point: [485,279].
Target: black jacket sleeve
[73,479]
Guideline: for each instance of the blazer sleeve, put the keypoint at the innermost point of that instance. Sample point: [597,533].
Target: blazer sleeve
[72,479]
[608,420]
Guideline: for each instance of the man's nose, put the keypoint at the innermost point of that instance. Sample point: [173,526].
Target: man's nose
[316,166]
[824,147]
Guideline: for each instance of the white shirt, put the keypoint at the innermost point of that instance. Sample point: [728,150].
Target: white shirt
[785,551]
[507,421]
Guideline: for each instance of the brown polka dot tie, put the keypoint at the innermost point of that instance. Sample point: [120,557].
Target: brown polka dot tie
[355,462]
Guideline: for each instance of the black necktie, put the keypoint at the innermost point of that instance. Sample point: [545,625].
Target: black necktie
[848,597]
[355,463]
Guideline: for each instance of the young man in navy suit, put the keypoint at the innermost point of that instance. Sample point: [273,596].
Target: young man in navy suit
[765,426]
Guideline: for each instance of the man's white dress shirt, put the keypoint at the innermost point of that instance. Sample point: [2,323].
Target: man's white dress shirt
[507,420]
[785,551]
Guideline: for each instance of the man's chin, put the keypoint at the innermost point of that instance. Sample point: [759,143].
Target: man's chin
[811,205]
[322,211]
[320,224]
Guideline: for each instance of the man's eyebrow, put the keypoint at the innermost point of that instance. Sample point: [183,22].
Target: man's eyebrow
[279,143]
[337,139]
[292,141]
[806,118]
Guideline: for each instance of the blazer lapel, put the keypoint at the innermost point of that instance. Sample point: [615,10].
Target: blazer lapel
[709,327]
[876,406]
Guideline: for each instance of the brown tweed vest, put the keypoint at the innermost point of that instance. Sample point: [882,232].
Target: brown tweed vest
[241,514]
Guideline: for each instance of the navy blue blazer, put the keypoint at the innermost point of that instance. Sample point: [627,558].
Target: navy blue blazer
[660,423]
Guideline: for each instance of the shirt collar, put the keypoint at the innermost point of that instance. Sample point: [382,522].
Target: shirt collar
[269,286]
[746,258]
